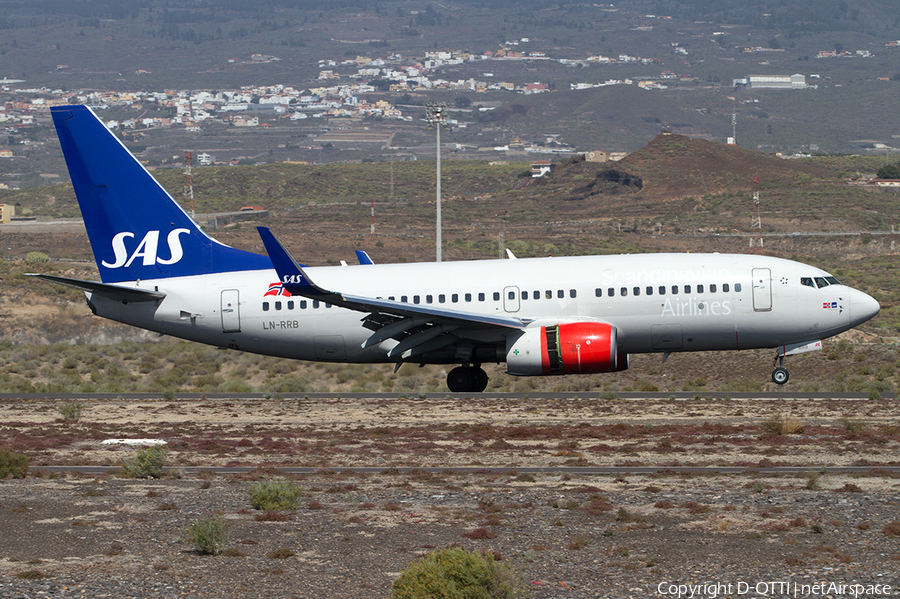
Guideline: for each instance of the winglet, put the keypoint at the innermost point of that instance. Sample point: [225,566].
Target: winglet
[290,273]
[363,257]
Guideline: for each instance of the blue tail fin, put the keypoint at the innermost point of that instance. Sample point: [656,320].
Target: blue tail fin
[136,229]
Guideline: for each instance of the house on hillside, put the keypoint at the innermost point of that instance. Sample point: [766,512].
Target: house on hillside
[7,211]
[540,168]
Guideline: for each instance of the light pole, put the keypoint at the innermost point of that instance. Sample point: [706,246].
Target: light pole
[436,116]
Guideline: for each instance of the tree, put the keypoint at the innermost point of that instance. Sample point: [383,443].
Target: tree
[889,171]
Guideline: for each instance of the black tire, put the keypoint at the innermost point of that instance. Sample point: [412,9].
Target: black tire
[780,376]
[481,378]
[461,380]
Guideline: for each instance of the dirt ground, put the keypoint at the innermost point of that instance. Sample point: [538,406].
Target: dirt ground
[566,534]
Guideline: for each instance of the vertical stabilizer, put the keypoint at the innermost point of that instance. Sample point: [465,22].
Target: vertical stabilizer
[136,229]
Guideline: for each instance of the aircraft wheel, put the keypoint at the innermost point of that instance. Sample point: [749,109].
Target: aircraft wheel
[780,376]
[462,380]
[482,379]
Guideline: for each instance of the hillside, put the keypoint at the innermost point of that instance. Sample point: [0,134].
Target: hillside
[674,166]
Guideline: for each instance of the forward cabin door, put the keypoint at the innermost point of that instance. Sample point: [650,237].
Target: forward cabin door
[231,311]
[762,289]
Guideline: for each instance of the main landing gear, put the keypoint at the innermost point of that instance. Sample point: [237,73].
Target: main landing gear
[467,379]
[780,374]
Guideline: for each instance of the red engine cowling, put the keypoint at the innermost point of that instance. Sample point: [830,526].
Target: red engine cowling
[569,348]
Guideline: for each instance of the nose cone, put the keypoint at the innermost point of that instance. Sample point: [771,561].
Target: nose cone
[862,307]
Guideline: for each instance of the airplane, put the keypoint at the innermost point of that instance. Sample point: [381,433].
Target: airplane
[540,316]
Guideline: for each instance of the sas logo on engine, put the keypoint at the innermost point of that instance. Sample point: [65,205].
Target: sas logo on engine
[829,306]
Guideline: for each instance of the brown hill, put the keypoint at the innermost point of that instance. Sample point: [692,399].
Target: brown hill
[675,166]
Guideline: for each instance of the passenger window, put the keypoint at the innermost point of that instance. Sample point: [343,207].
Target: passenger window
[524,295]
[496,296]
[265,306]
[468,297]
[712,287]
[548,294]
[611,292]
[637,291]
[416,299]
[481,297]
[442,298]
[662,289]
[404,299]
[290,305]
[391,297]
[278,305]
[699,288]
[327,306]
[560,293]
[649,290]
[725,287]
[315,303]
[454,298]
[674,289]
[303,304]
[572,293]
[536,295]
[687,288]
[429,299]
[598,292]
[511,295]
[623,291]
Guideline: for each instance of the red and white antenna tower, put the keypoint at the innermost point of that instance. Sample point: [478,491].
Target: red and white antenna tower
[188,181]
[756,238]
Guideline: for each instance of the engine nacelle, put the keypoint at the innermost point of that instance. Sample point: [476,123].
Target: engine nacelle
[568,348]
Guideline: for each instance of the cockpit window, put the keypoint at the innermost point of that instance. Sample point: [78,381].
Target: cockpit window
[821,282]
[832,280]
[808,282]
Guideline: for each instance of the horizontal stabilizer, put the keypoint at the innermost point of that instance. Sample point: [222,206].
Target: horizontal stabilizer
[113,292]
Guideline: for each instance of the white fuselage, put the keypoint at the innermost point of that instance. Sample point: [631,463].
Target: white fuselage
[657,302]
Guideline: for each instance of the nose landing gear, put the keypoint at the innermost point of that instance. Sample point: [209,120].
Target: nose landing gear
[780,375]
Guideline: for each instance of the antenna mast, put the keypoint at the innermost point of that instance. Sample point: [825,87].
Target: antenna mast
[188,181]
[756,238]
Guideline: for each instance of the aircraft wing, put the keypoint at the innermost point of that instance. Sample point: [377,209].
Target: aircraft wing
[113,292]
[433,321]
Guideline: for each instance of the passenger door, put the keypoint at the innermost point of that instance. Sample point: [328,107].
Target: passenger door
[231,311]
[762,289]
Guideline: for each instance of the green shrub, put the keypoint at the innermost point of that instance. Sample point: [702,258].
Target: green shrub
[147,463]
[455,573]
[71,410]
[275,495]
[12,464]
[35,257]
[208,535]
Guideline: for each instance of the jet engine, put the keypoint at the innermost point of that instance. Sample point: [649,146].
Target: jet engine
[568,348]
